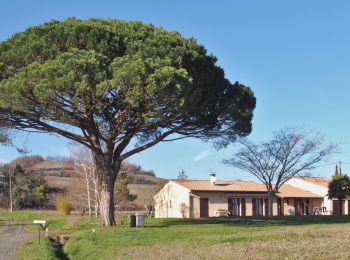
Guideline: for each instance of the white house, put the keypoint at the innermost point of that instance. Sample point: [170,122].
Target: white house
[200,198]
[319,186]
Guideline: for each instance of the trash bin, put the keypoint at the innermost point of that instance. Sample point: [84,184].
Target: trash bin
[132,220]
[140,220]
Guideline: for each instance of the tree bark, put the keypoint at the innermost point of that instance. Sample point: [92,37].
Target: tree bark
[107,203]
[97,198]
[107,175]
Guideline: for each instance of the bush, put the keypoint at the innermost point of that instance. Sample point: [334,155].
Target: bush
[183,209]
[29,191]
[63,205]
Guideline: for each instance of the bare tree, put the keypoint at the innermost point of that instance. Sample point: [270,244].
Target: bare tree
[3,187]
[182,175]
[85,166]
[290,152]
[147,199]
[183,209]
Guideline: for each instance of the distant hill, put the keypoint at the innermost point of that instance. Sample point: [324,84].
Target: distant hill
[61,176]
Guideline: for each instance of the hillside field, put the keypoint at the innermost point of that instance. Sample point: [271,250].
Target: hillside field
[62,177]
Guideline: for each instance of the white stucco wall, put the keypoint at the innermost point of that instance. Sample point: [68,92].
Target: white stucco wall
[168,200]
[314,188]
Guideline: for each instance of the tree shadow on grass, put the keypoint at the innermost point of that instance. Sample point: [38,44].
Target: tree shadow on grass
[255,221]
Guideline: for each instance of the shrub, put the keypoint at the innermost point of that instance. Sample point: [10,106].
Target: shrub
[183,210]
[63,205]
[28,190]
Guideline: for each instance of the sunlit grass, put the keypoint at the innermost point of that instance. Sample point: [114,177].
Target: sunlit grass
[315,237]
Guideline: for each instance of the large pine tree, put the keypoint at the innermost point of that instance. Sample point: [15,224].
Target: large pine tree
[118,88]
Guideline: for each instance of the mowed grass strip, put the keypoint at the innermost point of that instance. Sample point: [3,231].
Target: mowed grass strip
[56,222]
[32,250]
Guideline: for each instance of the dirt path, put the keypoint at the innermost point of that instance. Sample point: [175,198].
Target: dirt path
[11,236]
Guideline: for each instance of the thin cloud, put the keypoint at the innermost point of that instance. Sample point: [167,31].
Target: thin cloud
[202,155]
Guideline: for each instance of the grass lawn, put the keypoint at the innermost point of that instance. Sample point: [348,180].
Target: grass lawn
[316,237]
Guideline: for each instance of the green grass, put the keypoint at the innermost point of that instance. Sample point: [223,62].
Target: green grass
[55,221]
[120,242]
[32,250]
[241,238]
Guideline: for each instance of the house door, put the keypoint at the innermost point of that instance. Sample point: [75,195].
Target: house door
[279,207]
[243,207]
[204,207]
[257,204]
[336,208]
[307,206]
[299,207]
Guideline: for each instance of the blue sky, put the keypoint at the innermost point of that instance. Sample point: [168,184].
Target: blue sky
[295,56]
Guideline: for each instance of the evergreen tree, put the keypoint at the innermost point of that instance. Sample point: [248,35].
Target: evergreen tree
[336,174]
[339,188]
[28,190]
[122,193]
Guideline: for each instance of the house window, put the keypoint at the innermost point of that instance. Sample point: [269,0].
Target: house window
[170,204]
[243,206]
[266,204]
[258,204]
[236,206]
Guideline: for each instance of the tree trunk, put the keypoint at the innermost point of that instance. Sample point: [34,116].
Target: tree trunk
[87,182]
[97,199]
[107,176]
[107,203]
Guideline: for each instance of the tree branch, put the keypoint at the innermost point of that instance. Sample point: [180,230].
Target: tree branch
[152,143]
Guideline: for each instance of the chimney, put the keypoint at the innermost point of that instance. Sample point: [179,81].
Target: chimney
[212,178]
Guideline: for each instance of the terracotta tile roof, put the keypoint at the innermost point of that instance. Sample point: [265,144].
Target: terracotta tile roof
[288,191]
[244,186]
[322,181]
[195,185]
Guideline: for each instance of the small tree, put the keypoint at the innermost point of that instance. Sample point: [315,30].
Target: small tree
[28,190]
[183,210]
[63,205]
[339,188]
[147,199]
[4,138]
[4,188]
[290,152]
[182,175]
[85,166]
[122,193]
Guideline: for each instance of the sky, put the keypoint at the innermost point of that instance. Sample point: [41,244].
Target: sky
[294,55]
